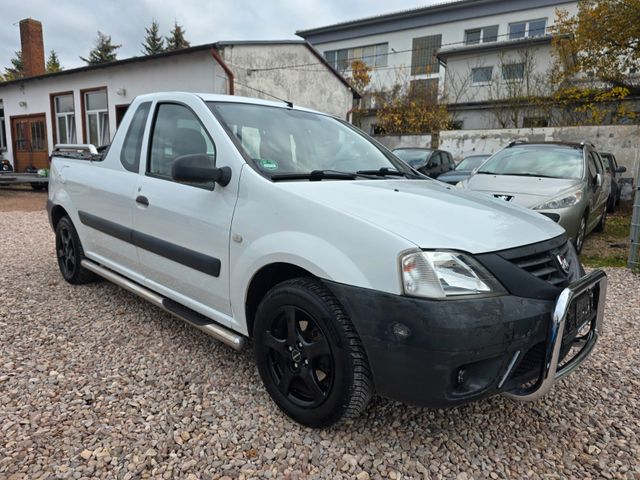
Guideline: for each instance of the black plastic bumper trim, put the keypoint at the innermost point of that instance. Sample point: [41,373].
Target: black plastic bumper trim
[176,253]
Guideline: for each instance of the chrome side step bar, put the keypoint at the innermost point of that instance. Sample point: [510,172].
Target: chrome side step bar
[226,336]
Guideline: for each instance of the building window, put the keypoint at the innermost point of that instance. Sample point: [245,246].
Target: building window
[97,117]
[65,119]
[532,28]
[423,56]
[513,72]
[372,55]
[3,145]
[478,35]
[481,75]
[425,89]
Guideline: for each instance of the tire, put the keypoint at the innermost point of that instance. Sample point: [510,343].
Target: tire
[309,356]
[37,186]
[581,234]
[69,254]
[611,203]
[602,222]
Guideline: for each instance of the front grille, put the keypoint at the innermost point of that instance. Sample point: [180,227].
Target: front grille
[544,261]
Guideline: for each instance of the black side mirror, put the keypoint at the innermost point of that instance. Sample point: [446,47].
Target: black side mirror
[621,169]
[197,168]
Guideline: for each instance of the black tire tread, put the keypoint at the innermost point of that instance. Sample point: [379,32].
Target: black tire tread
[362,389]
[82,275]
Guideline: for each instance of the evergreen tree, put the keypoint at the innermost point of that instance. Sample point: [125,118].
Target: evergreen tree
[176,40]
[53,62]
[16,70]
[153,41]
[104,51]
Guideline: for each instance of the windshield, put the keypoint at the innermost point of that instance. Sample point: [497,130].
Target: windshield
[536,161]
[472,162]
[413,156]
[283,141]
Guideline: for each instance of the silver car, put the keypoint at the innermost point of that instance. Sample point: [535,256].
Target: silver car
[563,181]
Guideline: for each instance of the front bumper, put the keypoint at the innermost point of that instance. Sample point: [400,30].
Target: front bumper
[446,353]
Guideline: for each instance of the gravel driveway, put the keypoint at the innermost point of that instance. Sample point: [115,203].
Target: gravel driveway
[95,383]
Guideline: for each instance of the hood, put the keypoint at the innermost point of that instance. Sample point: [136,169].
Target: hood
[431,214]
[525,191]
[454,176]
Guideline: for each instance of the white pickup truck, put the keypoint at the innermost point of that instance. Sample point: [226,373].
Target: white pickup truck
[351,273]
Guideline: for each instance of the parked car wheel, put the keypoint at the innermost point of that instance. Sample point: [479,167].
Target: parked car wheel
[37,186]
[309,355]
[582,233]
[602,222]
[70,254]
[611,203]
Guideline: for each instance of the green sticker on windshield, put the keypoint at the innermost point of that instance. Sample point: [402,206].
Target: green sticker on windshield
[268,164]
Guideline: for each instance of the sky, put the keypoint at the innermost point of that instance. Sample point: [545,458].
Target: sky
[70,26]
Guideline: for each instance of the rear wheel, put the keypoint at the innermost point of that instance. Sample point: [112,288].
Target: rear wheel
[309,356]
[70,254]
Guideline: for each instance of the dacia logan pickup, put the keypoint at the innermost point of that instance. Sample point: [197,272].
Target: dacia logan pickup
[350,273]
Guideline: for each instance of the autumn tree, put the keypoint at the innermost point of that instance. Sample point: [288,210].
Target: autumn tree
[176,40]
[16,70]
[153,41]
[104,51]
[53,63]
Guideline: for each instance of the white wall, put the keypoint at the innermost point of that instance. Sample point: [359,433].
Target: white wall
[313,86]
[452,35]
[193,72]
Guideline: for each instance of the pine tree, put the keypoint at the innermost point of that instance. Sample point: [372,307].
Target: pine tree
[176,40]
[16,70]
[153,41]
[103,52]
[53,62]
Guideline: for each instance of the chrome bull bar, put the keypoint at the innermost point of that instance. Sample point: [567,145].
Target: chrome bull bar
[550,372]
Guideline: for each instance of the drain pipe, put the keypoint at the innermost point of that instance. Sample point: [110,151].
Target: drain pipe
[230,78]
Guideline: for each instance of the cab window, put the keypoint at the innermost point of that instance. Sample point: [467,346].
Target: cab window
[177,131]
[132,146]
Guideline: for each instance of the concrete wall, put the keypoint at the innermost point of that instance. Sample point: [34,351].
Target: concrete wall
[396,141]
[193,72]
[314,86]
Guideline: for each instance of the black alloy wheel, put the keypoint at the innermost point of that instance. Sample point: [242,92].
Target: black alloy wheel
[69,253]
[309,356]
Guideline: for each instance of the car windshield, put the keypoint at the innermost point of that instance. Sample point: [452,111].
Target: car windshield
[471,162]
[536,161]
[284,142]
[413,156]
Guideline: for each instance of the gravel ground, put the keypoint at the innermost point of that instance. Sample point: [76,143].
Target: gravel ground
[95,383]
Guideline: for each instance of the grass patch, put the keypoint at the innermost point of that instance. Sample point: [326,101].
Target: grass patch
[611,247]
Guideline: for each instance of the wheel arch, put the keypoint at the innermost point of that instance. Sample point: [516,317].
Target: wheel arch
[57,212]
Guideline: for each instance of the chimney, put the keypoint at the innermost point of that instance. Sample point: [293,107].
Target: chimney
[32,47]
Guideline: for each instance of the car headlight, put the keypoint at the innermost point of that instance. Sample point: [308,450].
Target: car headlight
[562,201]
[461,184]
[443,274]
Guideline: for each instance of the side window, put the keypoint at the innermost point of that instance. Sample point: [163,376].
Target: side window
[596,159]
[176,132]
[592,166]
[132,146]
[436,160]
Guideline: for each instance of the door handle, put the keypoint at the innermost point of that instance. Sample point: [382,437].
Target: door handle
[142,200]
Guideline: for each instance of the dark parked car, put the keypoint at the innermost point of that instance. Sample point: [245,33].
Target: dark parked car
[427,161]
[614,171]
[463,169]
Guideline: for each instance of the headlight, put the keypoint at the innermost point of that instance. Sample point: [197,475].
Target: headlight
[461,184]
[562,201]
[444,274]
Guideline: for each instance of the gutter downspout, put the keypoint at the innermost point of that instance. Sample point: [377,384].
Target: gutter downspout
[216,55]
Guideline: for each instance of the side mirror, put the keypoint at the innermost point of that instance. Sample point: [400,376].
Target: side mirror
[621,169]
[197,168]
[598,180]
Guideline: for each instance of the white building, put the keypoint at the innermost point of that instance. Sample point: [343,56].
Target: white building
[404,46]
[85,105]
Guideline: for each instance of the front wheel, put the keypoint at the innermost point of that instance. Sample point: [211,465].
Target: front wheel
[70,254]
[309,355]
[581,234]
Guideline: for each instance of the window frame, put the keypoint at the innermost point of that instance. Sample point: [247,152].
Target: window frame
[55,115]
[513,80]
[484,83]
[527,28]
[481,39]
[333,57]
[85,112]
[156,111]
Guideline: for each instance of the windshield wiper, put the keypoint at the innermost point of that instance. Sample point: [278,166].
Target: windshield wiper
[315,175]
[527,175]
[382,172]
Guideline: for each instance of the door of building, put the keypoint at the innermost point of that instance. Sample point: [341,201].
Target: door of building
[30,142]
